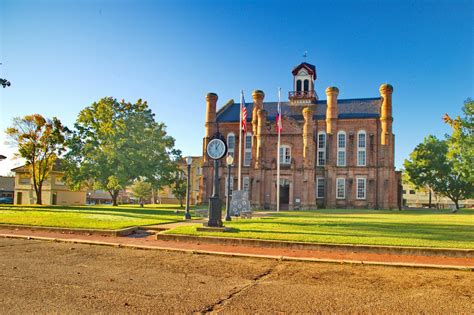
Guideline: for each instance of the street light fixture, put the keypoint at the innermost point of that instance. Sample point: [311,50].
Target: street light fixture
[229,161]
[189,161]
[2,157]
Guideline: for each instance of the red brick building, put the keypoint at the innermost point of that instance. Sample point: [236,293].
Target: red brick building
[335,153]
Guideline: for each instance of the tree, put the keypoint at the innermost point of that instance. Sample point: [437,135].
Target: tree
[141,190]
[430,165]
[116,143]
[40,142]
[461,141]
[178,187]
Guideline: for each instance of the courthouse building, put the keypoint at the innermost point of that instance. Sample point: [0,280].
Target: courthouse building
[335,153]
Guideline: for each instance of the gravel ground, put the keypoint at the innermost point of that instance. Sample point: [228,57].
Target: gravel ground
[45,277]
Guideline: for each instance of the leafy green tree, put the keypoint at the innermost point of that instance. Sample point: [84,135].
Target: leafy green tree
[116,143]
[40,141]
[429,165]
[178,187]
[141,190]
[461,142]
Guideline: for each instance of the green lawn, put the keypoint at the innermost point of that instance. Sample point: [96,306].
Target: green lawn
[423,228]
[94,217]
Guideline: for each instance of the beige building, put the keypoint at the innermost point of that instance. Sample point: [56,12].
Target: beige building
[421,199]
[166,196]
[54,191]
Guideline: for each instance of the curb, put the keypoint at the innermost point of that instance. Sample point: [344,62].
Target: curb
[353,248]
[119,232]
[226,254]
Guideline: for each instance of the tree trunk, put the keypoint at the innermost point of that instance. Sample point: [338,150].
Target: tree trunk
[456,202]
[39,199]
[429,202]
[114,195]
[180,203]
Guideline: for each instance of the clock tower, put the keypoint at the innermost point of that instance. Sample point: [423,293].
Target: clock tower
[303,92]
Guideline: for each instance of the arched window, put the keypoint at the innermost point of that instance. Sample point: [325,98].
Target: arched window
[285,154]
[230,144]
[306,85]
[248,149]
[361,148]
[321,148]
[341,148]
[298,85]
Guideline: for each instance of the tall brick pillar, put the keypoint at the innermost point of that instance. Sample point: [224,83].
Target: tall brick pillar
[258,97]
[331,145]
[261,122]
[210,129]
[386,117]
[331,110]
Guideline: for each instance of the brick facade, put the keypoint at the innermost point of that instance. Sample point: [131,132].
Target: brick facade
[366,123]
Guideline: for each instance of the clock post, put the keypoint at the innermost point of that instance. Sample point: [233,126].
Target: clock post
[216,149]
[215,209]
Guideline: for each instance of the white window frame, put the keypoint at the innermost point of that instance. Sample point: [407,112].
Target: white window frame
[285,154]
[248,151]
[246,183]
[343,180]
[364,180]
[361,150]
[341,151]
[320,179]
[230,151]
[231,184]
[321,149]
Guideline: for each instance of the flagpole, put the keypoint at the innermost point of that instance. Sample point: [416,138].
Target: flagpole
[239,175]
[278,153]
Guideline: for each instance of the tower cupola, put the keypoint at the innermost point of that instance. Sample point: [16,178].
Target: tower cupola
[303,92]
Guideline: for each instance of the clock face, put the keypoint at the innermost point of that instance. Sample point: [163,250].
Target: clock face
[216,149]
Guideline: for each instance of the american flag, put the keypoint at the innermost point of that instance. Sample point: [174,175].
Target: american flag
[279,126]
[243,112]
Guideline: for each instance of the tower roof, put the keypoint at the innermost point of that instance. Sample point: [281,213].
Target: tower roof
[311,69]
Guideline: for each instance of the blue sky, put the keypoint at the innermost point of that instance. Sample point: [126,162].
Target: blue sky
[61,56]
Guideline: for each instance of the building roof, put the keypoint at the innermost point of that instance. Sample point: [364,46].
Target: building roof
[361,108]
[7,183]
[57,167]
[311,69]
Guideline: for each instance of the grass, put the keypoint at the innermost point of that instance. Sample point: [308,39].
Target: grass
[420,228]
[91,217]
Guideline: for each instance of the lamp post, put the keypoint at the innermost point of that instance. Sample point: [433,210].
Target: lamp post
[229,161]
[187,215]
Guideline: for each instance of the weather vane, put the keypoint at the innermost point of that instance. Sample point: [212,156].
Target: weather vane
[305,54]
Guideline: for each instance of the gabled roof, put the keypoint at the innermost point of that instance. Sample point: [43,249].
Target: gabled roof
[361,108]
[311,69]
[57,167]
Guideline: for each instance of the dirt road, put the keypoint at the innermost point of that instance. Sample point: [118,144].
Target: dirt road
[45,277]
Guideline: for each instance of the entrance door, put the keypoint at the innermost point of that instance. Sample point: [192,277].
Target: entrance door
[284,194]
[55,199]
[19,197]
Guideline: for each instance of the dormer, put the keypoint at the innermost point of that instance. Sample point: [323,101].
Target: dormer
[303,92]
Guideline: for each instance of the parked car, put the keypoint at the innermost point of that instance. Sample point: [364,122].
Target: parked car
[6,200]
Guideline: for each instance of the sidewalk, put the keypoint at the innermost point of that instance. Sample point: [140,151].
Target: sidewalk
[149,241]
